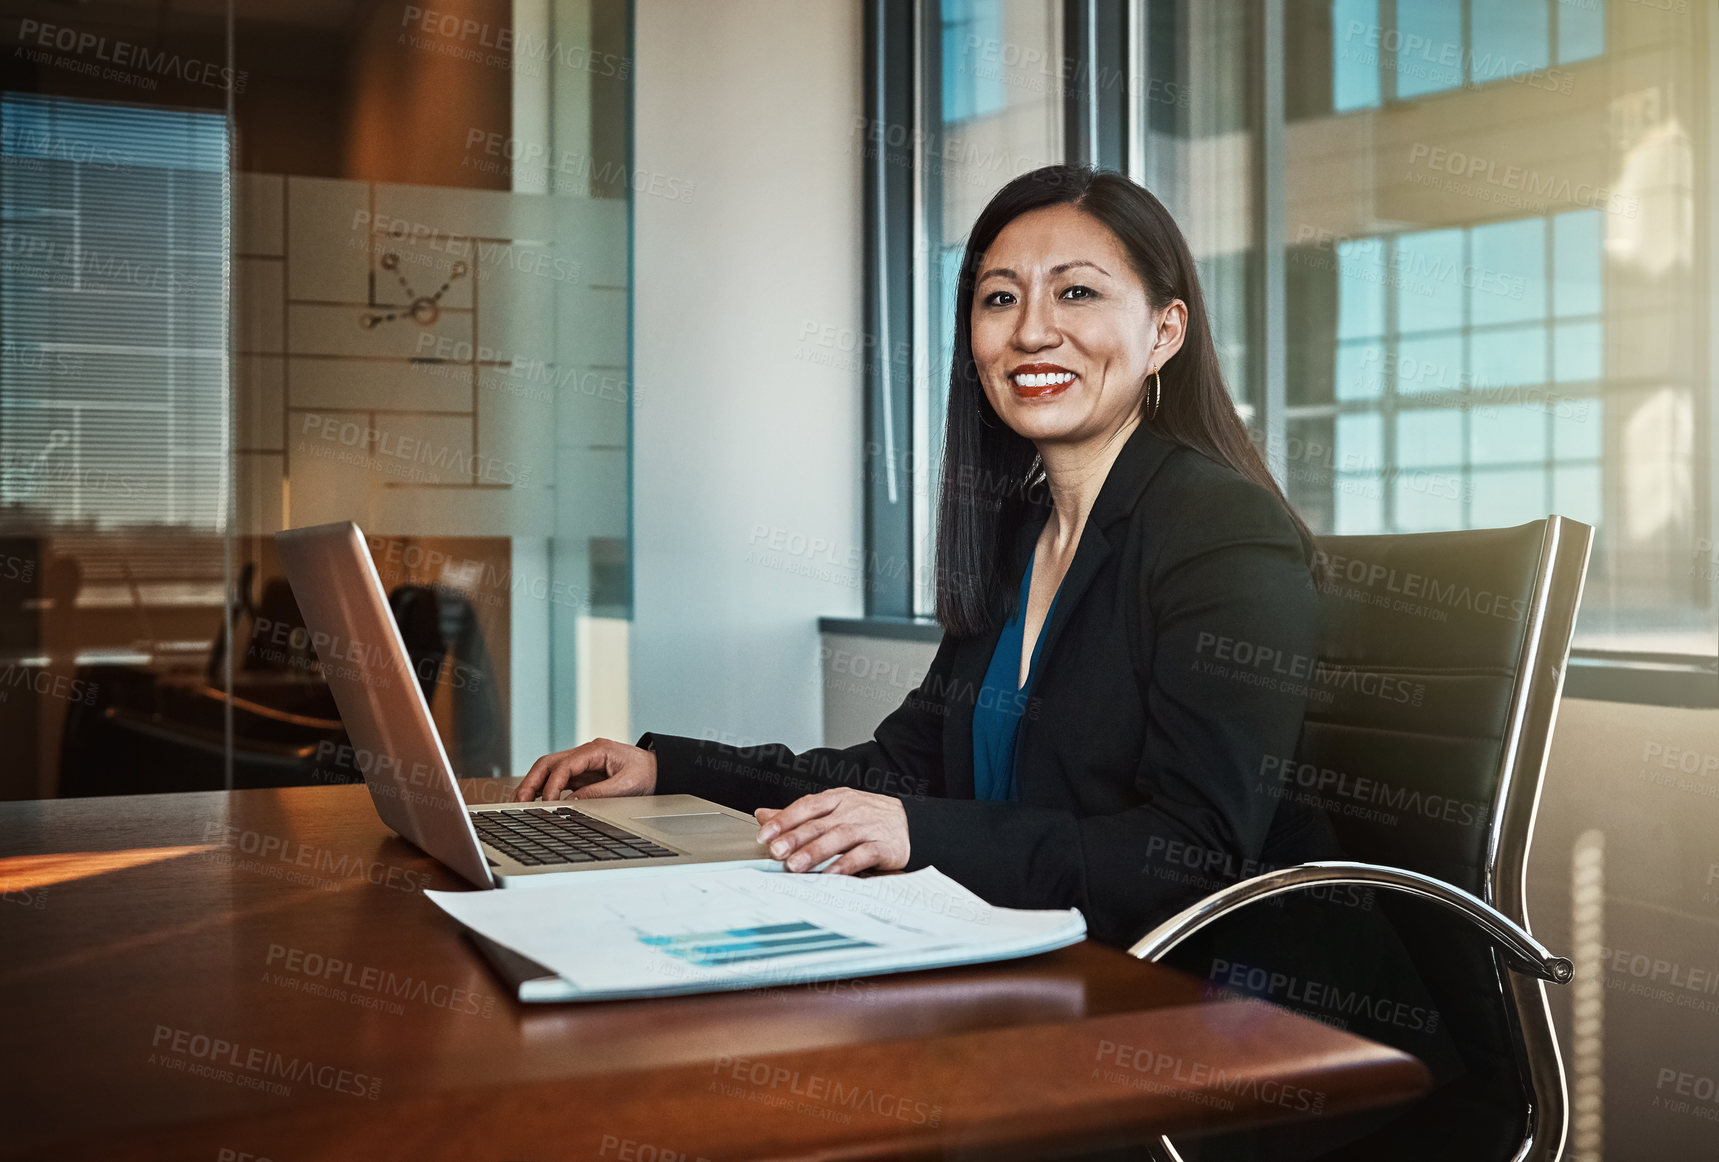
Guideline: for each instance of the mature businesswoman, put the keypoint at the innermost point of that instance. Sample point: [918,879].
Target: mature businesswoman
[1128,616]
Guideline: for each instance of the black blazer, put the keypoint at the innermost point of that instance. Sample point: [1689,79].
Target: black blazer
[1139,793]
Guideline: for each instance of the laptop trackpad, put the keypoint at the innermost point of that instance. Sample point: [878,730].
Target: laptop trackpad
[699,823]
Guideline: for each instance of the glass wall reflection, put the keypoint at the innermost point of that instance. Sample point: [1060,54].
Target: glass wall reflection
[372,266]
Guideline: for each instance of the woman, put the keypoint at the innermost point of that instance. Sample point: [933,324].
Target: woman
[1131,620]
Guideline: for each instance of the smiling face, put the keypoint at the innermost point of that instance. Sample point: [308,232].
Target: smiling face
[1062,330]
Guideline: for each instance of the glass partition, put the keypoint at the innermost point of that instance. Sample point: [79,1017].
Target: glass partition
[294,265]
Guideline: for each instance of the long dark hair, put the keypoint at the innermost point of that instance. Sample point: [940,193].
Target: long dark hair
[984,493]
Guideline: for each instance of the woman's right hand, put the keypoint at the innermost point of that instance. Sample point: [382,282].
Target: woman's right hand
[599,769]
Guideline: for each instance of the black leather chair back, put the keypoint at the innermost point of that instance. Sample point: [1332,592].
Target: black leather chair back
[1406,730]
[417,611]
[1427,724]
[1425,743]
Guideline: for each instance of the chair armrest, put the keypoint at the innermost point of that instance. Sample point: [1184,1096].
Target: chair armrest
[285,717]
[1506,935]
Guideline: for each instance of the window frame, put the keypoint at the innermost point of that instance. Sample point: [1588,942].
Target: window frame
[894,34]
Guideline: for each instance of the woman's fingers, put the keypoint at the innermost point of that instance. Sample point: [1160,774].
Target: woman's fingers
[852,830]
[788,845]
[764,815]
[571,766]
[550,774]
[797,826]
[834,838]
[559,777]
[801,810]
[597,769]
[622,782]
[533,782]
[866,855]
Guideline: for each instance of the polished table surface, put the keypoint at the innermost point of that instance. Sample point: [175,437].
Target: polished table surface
[257,975]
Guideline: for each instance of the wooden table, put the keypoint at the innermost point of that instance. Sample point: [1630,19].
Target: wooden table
[257,975]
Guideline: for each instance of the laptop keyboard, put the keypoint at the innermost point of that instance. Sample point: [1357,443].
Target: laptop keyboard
[537,837]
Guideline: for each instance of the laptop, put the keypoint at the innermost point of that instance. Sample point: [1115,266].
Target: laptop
[411,782]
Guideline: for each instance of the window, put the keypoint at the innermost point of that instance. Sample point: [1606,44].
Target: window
[113,397]
[1470,291]
[1455,268]
[973,78]
[1199,159]
[1437,398]
[1001,117]
[1416,48]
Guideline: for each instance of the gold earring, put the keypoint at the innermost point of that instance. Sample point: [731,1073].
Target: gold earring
[1154,393]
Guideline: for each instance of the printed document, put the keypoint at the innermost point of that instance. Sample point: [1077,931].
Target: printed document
[707,929]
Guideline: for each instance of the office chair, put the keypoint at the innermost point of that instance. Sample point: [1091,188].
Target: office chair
[446,642]
[1480,621]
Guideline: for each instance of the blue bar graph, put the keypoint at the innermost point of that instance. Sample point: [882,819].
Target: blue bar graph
[760,942]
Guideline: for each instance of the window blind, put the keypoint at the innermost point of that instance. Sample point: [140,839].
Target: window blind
[113,321]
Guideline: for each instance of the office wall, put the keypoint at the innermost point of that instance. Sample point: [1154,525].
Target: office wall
[746,470]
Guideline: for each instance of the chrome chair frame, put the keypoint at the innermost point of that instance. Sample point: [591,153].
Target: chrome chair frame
[1502,916]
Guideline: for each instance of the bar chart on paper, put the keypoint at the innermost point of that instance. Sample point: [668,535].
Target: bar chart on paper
[760,942]
[716,921]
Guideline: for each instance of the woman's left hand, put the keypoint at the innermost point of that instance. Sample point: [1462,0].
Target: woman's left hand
[865,830]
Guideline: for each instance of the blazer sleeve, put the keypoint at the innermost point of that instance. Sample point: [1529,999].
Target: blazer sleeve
[904,757]
[1230,625]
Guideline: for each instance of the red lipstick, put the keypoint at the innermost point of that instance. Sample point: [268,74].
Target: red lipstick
[1040,380]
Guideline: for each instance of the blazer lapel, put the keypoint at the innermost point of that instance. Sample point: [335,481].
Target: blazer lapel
[1089,557]
[1137,459]
[1134,466]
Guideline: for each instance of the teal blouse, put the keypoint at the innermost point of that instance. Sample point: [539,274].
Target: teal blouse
[997,717]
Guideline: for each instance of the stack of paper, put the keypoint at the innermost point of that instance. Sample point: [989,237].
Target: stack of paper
[707,929]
